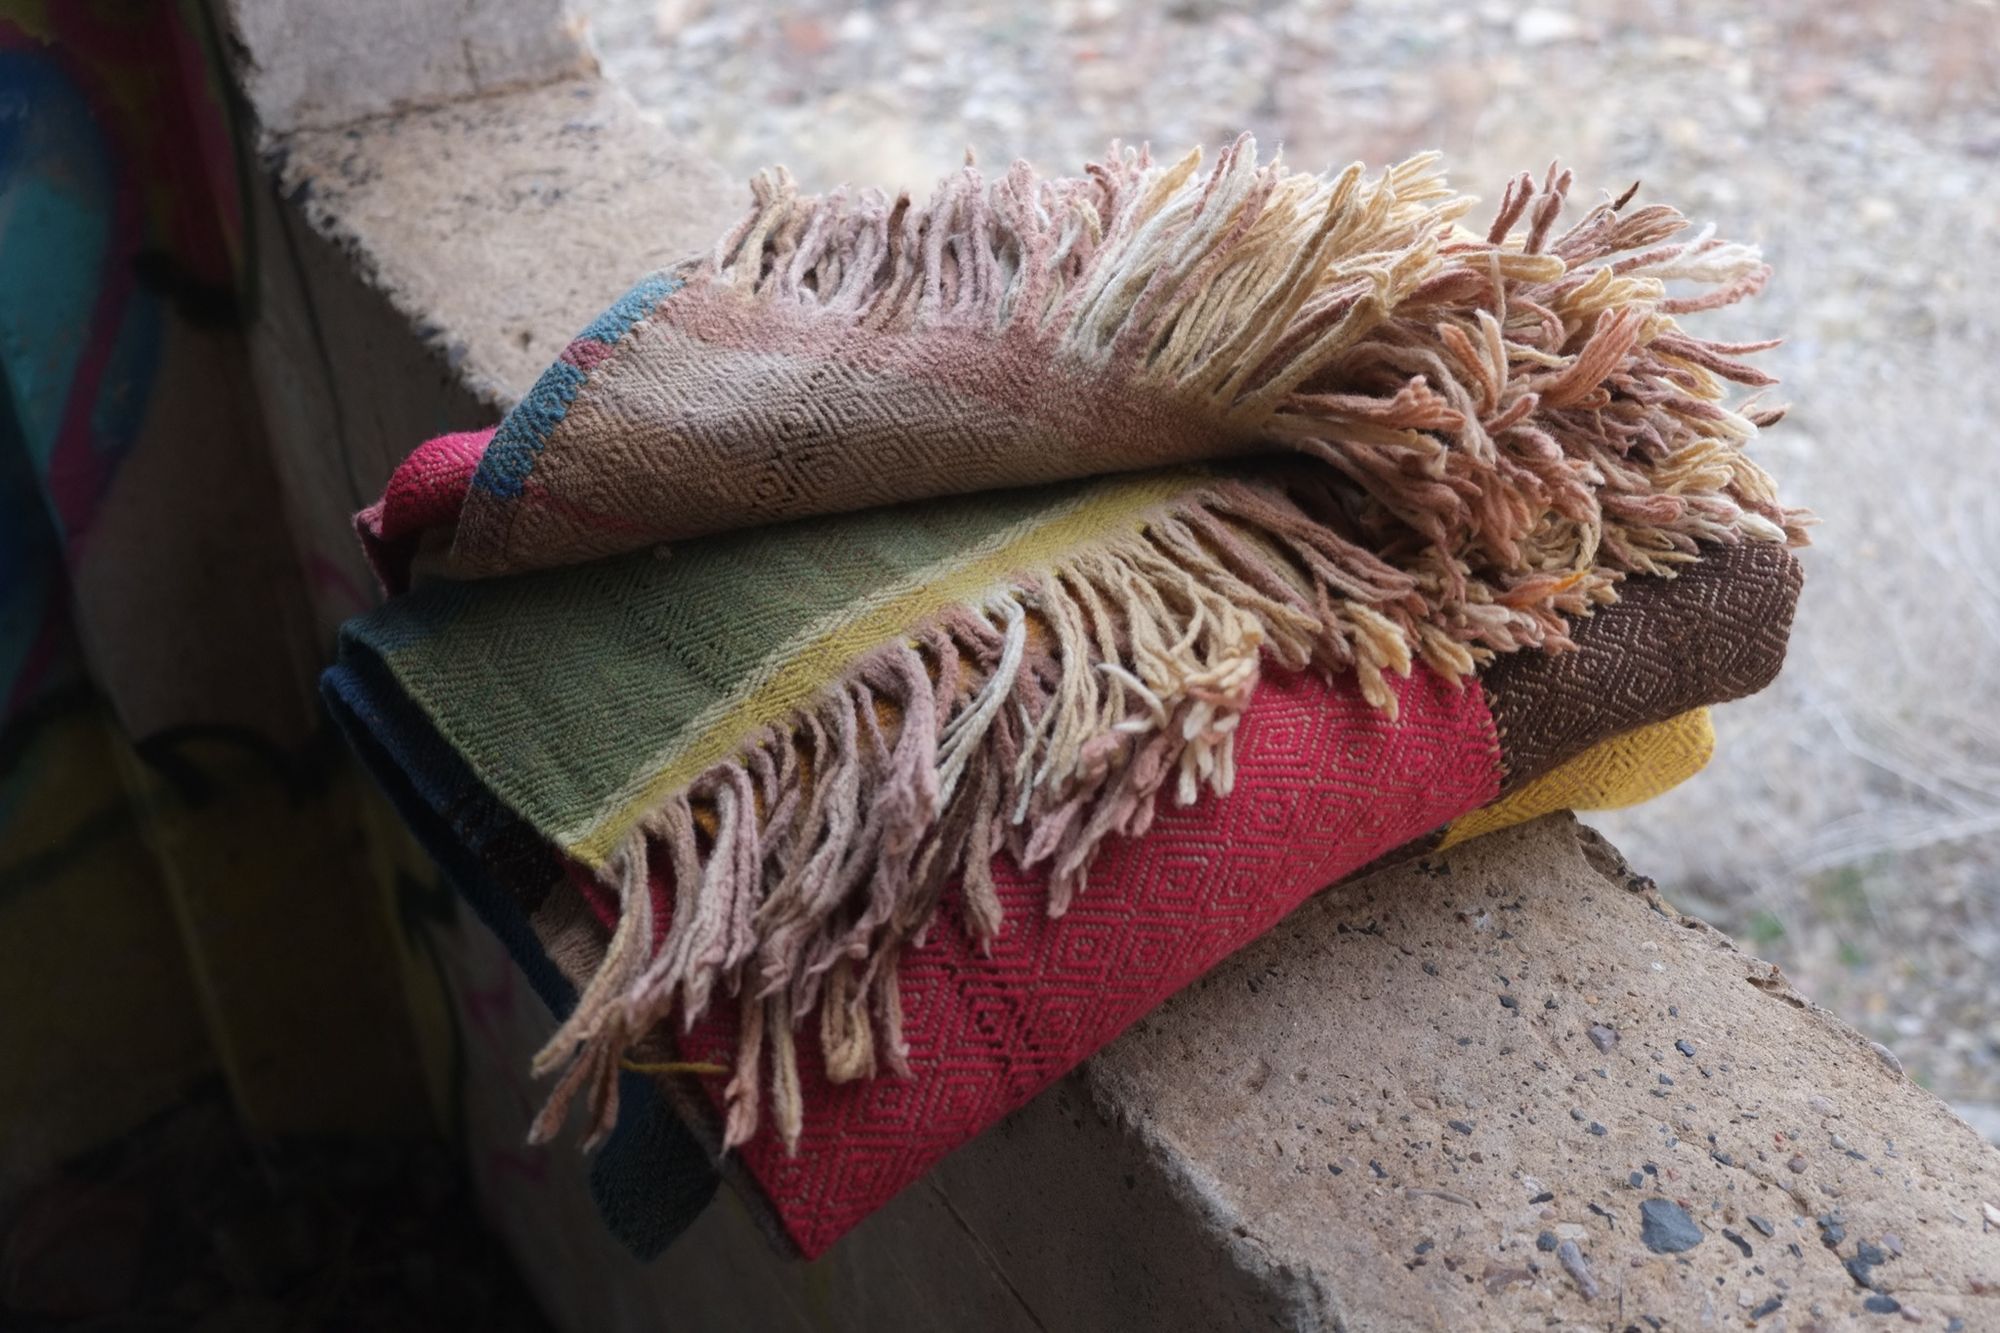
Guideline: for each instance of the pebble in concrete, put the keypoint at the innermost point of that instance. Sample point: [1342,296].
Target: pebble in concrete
[1666,1228]
[1573,1262]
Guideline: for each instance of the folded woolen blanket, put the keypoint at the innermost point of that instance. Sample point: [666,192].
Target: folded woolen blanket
[936,634]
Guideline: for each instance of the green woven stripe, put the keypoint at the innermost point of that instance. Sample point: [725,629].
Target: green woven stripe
[563,689]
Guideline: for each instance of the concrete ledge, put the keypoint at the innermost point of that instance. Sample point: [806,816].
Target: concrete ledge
[500,226]
[313,64]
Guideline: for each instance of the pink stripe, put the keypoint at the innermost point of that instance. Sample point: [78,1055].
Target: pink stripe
[586,353]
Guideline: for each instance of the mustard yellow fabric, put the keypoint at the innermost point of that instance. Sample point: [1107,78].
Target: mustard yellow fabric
[1622,771]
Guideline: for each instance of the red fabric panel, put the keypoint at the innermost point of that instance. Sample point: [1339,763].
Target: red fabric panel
[1325,784]
[424,493]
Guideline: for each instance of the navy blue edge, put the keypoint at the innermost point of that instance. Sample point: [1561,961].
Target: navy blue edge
[651,1179]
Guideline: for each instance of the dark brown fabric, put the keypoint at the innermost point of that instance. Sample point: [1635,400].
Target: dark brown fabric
[1715,633]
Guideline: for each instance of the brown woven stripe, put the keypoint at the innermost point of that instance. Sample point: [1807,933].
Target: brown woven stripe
[1715,633]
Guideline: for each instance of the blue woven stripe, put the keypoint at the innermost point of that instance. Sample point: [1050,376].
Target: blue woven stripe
[628,309]
[510,456]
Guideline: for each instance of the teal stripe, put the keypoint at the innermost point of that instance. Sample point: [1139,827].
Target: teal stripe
[510,456]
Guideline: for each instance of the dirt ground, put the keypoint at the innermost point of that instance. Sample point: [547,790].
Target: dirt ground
[1850,829]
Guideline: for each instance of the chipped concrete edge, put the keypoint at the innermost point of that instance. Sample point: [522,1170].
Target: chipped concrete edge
[1295,1299]
[1761,974]
[310,66]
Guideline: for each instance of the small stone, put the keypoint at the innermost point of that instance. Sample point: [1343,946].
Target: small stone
[1797,1164]
[1685,1047]
[1509,1002]
[1819,1105]
[1862,1266]
[1992,1214]
[1597,1129]
[1739,1243]
[1768,1307]
[1887,1057]
[1573,1263]
[1462,1126]
[1636,1180]
[1603,1038]
[1546,1242]
[1762,1224]
[1880,1304]
[1576,1114]
[1893,1243]
[1666,1228]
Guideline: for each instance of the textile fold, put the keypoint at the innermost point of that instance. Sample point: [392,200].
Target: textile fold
[921,638]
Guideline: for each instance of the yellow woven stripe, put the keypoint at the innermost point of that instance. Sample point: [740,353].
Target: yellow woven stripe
[1624,770]
[794,677]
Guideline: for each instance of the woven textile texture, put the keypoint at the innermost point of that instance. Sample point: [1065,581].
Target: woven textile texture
[934,634]
[1329,783]
[1625,770]
[1717,633]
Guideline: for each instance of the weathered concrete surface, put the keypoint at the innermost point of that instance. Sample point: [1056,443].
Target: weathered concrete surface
[510,221]
[309,63]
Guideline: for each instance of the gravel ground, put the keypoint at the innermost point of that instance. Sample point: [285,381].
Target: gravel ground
[1850,829]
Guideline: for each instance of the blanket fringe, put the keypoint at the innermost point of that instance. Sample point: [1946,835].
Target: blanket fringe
[1504,426]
